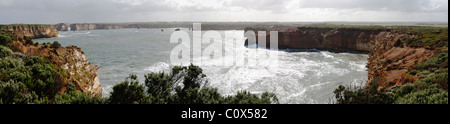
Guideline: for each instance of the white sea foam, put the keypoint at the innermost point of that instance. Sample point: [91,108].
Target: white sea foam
[158,67]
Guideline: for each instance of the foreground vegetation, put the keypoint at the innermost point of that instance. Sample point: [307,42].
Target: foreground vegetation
[184,85]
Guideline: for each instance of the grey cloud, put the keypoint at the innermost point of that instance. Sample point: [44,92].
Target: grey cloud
[55,11]
[380,5]
[259,4]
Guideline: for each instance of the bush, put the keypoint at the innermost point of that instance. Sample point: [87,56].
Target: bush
[5,52]
[28,41]
[31,75]
[128,92]
[43,79]
[405,89]
[166,89]
[246,97]
[71,96]
[6,38]
[441,80]
[159,87]
[370,95]
[55,45]
[437,61]
[426,91]
[15,93]
[428,96]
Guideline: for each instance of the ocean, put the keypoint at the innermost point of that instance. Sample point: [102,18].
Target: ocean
[308,77]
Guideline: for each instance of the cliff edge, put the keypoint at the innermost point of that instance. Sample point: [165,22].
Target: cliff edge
[72,59]
[31,31]
[393,52]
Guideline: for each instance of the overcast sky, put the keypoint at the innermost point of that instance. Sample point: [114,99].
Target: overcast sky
[69,11]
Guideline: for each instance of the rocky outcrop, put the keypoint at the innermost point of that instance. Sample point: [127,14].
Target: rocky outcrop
[72,59]
[31,31]
[81,27]
[339,40]
[61,27]
[87,26]
[387,63]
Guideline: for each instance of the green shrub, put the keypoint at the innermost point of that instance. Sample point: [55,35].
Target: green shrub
[357,95]
[43,80]
[434,63]
[32,75]
[6,38]
[28,41]
[159,87]
[15,93]
[165,89]
[246,97]
[55,45]
[426,37]
[71,96]
[405,89]
[128,92]
[5,52]
[428,96]
[425,91]
[441,80]
[209,96]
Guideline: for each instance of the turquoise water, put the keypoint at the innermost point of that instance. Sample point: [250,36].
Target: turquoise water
[302,77]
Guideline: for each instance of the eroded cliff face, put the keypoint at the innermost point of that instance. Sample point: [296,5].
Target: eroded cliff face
[339,40]
[61,27]
[387,63]
[81,27]
[31,31]
[86,26]
[72,59]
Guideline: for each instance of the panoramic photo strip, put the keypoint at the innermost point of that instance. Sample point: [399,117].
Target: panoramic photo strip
[250,54]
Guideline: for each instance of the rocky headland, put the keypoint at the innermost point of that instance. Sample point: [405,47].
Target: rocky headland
[390,56]
[22,31]
[72,59]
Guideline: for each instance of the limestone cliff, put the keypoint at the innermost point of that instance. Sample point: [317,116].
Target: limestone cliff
[90,26]
[340,40]
[387,63]
[72,59]
[61,27]
[81,27]
[31,31]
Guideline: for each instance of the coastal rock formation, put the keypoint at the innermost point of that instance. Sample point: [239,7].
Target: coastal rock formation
[81,27]
[340,40]
[72,59]
[87,26]
[78,69]
[31,31]
[387,63]
[61,27]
